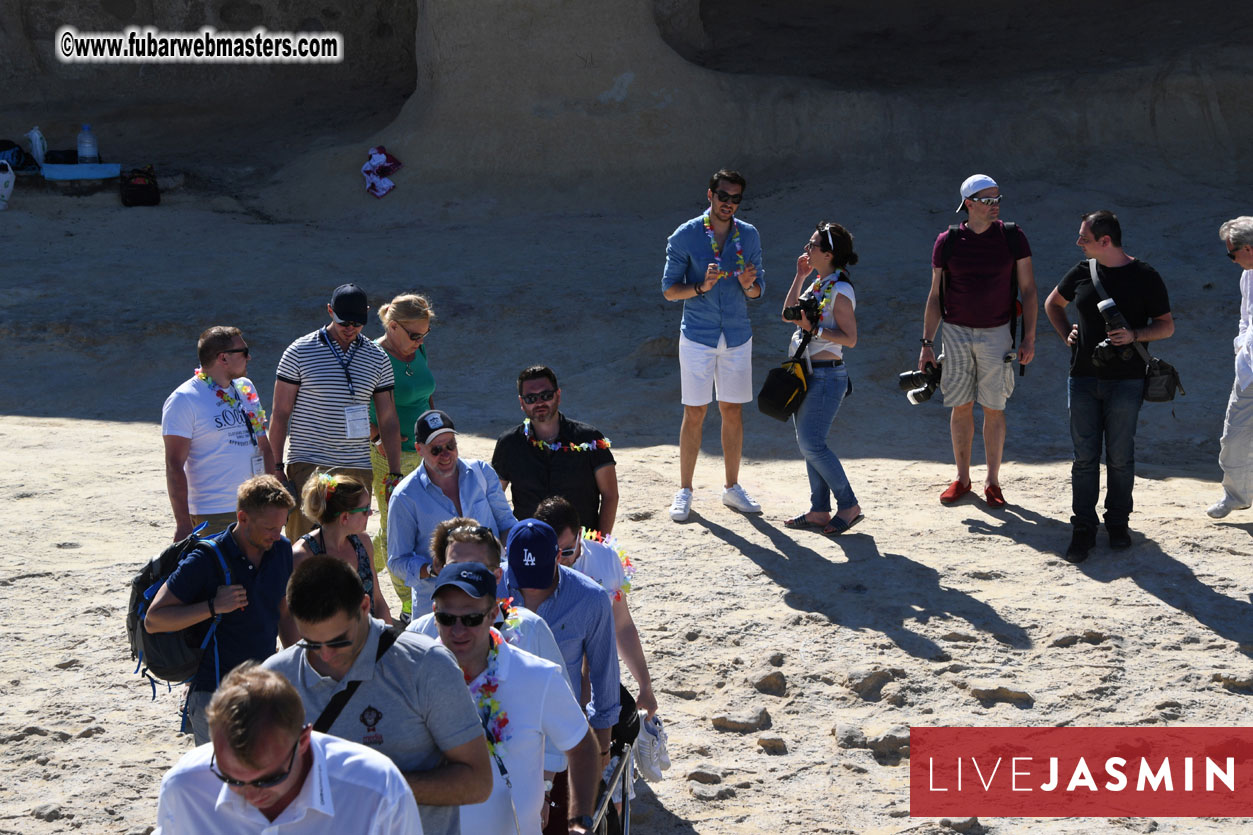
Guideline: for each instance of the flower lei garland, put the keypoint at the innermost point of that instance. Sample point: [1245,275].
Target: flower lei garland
[559,446]
[628,567]
[509,612]
[256,417]
[483,691]
[735,238]
[825,296]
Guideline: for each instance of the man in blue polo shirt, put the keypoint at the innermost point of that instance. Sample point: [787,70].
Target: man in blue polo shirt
[252,607]
[713,265]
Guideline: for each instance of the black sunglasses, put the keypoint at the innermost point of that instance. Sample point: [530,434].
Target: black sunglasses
[729,198]
[568,552]
[468,621]
[545,396]
[314,646]
[1232,253]
[346,324]
[264,782]
[246,351]
[416,337]
[437,450]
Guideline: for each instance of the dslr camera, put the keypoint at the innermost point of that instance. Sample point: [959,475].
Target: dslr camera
[803,305]
[920,385]
[1106,353]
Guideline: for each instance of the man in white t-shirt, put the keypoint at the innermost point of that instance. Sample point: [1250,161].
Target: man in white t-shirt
[267,771]
[1235,454]
[214,431]
[522,700]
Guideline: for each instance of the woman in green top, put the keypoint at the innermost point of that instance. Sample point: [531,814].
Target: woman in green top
[407,324]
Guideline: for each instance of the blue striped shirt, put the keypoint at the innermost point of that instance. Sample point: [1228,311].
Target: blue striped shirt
[581,618]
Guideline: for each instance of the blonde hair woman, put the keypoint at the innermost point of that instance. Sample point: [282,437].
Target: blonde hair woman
[407,323]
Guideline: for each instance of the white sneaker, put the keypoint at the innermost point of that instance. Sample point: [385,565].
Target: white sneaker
[682,505]
[1223,506]
[735,497]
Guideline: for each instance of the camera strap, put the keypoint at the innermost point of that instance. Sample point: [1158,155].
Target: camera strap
[1100,291]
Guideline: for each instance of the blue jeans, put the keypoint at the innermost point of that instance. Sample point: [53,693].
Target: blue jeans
[1103,410]
[827,387]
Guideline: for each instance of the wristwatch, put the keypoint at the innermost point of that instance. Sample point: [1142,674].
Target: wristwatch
[584,822]
[927,343]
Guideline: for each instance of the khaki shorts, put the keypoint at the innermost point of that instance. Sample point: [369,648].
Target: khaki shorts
[978,365]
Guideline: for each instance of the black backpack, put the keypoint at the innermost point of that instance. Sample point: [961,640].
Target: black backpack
[173,657]
[139,187]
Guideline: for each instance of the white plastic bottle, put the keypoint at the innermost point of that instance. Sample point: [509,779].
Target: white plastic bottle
[38,145]
[87,150]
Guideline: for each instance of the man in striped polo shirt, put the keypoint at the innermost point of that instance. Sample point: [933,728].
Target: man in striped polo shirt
[322,392]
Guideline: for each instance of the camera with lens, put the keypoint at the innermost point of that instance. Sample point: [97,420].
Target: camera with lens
[808,305]
[1106,353]
[920,385]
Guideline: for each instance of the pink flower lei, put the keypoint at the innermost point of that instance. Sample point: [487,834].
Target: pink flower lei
[558,446]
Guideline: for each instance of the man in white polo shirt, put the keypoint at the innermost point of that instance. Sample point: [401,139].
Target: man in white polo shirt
[266,771]
[213,427]
[324,385]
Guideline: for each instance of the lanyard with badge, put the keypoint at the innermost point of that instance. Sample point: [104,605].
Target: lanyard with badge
[356,417]
[255,462]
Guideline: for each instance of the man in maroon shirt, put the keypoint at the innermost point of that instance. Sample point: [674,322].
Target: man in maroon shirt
[970,291]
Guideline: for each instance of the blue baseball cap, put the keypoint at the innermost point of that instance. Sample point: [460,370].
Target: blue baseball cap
[532,553]
[472,578]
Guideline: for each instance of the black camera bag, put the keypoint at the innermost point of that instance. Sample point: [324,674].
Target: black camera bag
[785,387]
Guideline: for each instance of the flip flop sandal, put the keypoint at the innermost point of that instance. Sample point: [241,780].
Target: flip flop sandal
[800,523]
[839,526]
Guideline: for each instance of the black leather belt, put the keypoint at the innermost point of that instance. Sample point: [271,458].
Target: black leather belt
[826,363]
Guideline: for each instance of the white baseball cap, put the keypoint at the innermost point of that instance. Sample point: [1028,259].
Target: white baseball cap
[972,185]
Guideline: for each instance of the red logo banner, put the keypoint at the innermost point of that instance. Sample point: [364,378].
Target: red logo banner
[1081,772]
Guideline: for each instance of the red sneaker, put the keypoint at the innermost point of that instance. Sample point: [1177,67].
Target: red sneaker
[954,492]
[992,494]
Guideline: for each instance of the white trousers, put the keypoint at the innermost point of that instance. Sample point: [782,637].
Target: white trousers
[1236,453]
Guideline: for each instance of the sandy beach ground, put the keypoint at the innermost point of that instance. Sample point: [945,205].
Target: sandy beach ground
[826,650]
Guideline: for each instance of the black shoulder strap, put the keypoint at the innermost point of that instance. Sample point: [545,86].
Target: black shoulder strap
[336,705]
[1100,291]
[946,250]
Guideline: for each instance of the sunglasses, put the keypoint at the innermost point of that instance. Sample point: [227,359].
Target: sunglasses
[539,396]
[468,621]
[987,201]
[416,337]
[568,552]
[367,510]
[1232,253]
[728,198]
[246,351]
[315,646]
[437,450]
[346,324]
[264,782]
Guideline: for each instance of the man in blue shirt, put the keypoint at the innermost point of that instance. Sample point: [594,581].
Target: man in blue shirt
[713,265]
[443,486]
[252,606]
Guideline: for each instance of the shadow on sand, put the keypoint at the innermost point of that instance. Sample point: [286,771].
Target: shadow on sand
[871,591]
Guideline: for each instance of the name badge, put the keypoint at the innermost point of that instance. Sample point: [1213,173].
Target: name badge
[258,465]
[356,422]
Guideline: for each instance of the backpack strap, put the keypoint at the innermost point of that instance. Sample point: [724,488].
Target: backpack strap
[1008,227]
[213,627]
[946,249]
[336,705]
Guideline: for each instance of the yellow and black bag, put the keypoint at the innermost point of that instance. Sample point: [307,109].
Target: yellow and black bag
[785,387]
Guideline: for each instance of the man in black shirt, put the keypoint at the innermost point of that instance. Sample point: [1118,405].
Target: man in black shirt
[550,455]
[1106,385]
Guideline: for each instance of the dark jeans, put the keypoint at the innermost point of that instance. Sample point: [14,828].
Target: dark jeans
[1103,410]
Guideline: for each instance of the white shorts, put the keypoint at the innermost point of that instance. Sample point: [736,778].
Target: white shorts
[722,372]
[978,365]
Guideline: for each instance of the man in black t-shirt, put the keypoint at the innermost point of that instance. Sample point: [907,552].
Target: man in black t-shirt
[1106,385]
[550,455]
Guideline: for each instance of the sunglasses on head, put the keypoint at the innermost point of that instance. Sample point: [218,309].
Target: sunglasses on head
[264,782]
[544,396]
[438,450]
[728,198]
[246,351]
[468,621]
[987,201]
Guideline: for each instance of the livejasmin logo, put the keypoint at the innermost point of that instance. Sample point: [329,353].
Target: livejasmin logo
[1081,772]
